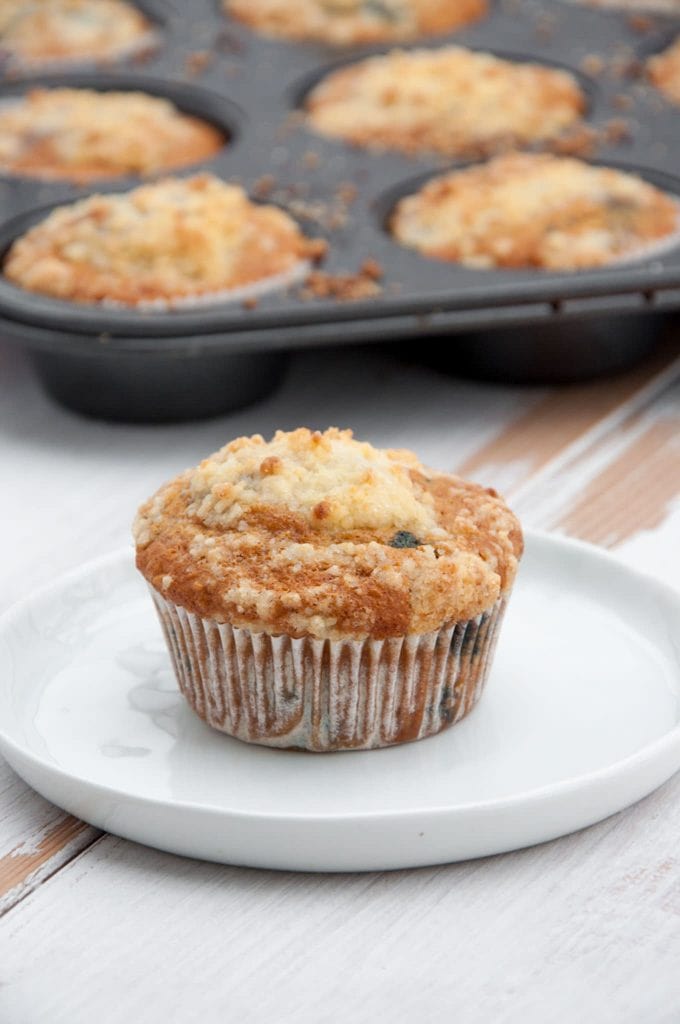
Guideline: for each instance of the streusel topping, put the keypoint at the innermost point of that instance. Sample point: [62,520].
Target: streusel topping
[319,534]
[536,210]
[81,134]
[450,100]
[345,22]
[173,239]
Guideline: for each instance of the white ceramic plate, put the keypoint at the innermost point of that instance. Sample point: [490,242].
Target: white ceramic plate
[580,719]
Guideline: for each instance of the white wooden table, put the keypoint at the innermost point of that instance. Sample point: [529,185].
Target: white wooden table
[583,929]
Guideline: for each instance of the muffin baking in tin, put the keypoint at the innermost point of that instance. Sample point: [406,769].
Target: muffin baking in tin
[352,22]
[173,242]
[83,135]
[318,593]
[49,32]
[452,101]
[254,91]
[537,210]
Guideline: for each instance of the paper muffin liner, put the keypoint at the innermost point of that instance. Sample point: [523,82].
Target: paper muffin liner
[242,293]
[325,695]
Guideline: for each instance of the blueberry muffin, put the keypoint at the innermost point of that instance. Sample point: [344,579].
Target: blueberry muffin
[317,592]
[351,22]
[49,31]
[450,100]
[81,135]
[664,71]
[536,210]
[165,244]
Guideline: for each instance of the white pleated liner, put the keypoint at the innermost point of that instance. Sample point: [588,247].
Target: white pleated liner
[326,695]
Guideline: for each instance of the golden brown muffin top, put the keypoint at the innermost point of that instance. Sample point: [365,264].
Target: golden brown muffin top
[318,534]
[347,22]
[664,71]
[82,135]
[173,240]
[449,100]
[536,210]
[49,30]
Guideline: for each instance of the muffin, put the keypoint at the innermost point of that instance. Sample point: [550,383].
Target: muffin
[316,592]
[450,100]
[166,244]
[49,31]
[536,210]
[350,22]
[81,135]
[663,71]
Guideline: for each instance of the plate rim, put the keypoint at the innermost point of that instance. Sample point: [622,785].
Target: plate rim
[526,799]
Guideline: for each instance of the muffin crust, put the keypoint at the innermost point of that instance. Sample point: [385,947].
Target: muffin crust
[160,243]
[317,534]
[81,135]
[56,30]
[664,71]
[348,22]
[450,100]
[536,210]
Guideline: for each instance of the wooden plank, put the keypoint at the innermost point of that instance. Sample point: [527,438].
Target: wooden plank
[26,866]
[584,928]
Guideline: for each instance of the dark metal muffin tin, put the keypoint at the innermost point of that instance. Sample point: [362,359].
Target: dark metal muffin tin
[520,325]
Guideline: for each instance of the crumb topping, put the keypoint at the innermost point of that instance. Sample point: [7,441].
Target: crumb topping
[55,29]
[664,71]
[82,135]
[451,100]
[323,535]
[344,22]
[168,240]
[535,210]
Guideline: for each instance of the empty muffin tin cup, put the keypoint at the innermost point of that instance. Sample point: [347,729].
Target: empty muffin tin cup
[143,388]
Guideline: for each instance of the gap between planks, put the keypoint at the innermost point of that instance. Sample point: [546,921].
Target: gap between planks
[545,441]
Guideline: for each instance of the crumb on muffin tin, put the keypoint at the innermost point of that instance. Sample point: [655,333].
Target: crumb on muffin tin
[304,535]
[41,32]
[348,22]
[536,211]
[161,244]
[663,71]
[82,135]
[448,100]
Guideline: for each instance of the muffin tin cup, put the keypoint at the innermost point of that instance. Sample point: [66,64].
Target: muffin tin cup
[140,387]
[323,695]
[257,83]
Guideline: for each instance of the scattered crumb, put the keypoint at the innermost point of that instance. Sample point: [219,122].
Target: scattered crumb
[346,193]
[344,287]
[197,62]
[622,102]
[641,23]
[580,141]
[264,186]
[592,64]
[617,130]
[310,160]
